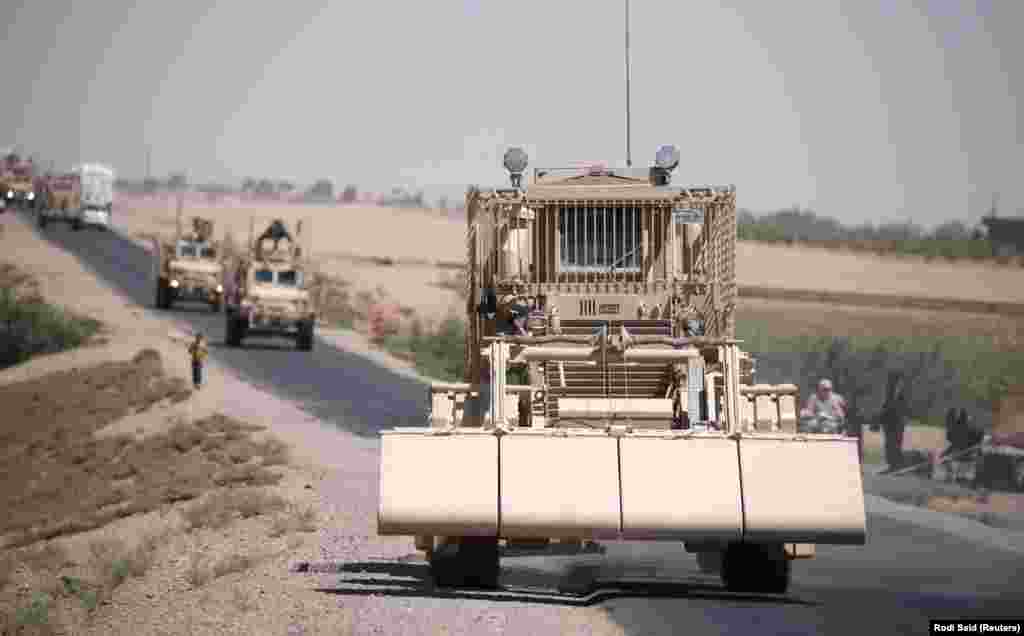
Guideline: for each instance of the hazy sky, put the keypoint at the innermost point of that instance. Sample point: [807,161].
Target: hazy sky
[860,109]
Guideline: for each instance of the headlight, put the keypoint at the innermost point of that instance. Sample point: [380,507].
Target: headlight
[31,195]
[174,282]
[220,289]
[10,194]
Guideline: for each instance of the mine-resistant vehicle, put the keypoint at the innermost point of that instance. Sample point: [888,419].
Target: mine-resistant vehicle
[191,267]
[17,182]
[635,415]
[59,199]
[269,289]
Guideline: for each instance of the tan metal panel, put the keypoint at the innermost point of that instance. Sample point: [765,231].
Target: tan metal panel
[767,410]
[680,488]
[638,408]
[438,484]
[802,490]
[787,413]
[559,485]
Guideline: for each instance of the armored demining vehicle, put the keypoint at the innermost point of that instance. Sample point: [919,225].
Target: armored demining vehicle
[636,415]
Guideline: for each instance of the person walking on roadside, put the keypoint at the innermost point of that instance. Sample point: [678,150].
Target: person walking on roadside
[895,412]
[197,351]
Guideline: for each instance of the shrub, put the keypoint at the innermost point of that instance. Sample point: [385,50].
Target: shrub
[30,327]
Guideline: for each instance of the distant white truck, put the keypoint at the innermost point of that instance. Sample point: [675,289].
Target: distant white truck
[96,196]
[82,197]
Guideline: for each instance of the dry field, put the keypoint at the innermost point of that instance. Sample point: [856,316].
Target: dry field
[784,319]
[347,239]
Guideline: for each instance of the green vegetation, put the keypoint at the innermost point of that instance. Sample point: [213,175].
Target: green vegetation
[35,613]
[439,354]
[30,327]
[943,371]
[949,240]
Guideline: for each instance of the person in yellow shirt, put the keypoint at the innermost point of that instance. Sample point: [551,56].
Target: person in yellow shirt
[197,351]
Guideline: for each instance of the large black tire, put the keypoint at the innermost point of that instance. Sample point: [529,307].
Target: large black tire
[759,568]
[161,294]
[471,562]
[234,329]
[76,224]
[42,219]
[304,340]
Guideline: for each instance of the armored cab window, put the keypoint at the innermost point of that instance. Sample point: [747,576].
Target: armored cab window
[263,276]
[288,278]
[186,250]
[208,252]
[599,238]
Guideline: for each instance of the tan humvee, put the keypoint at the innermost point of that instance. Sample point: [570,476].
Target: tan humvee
[191,267]
[270,289]
[640,419]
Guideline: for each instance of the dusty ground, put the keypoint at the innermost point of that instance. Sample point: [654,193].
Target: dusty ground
[166,517]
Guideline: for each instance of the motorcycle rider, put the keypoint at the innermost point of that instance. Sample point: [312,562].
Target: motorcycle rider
[825,404]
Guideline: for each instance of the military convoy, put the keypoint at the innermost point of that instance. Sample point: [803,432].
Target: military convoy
[269,288]
[635,416]
[191,267]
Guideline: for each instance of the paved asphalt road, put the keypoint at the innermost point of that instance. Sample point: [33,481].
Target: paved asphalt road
[907,574]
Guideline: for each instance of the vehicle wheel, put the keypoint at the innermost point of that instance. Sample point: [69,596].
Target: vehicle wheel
[163,295]
[42,220]
[304,341]
[76,224]
[756,567]
[215,306]
[234,331]
[466,562]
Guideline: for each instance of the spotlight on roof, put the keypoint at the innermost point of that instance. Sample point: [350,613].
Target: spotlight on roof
[667,158]
[665,161]
[515,162]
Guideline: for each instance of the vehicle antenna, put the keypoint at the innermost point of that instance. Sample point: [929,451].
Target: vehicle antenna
[629,157]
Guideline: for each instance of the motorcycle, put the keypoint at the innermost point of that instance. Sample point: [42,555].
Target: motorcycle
[822,423]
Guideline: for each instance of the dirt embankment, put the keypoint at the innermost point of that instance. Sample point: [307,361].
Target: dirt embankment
[134,504]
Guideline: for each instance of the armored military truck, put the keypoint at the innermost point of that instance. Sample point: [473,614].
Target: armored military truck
[269,289]
[190,267]
[635,416]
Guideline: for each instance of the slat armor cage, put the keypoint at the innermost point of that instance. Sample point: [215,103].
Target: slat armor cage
[589,238]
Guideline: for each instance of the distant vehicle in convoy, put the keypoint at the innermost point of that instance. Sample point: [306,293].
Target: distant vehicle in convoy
[17,181]
[96,196]
[83,197]
[58,199]
[269,291]
[191,267]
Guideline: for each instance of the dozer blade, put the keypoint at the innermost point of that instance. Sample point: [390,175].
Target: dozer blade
[802,489]
[438,484]
[560,485]
[641,485]
[679,488]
